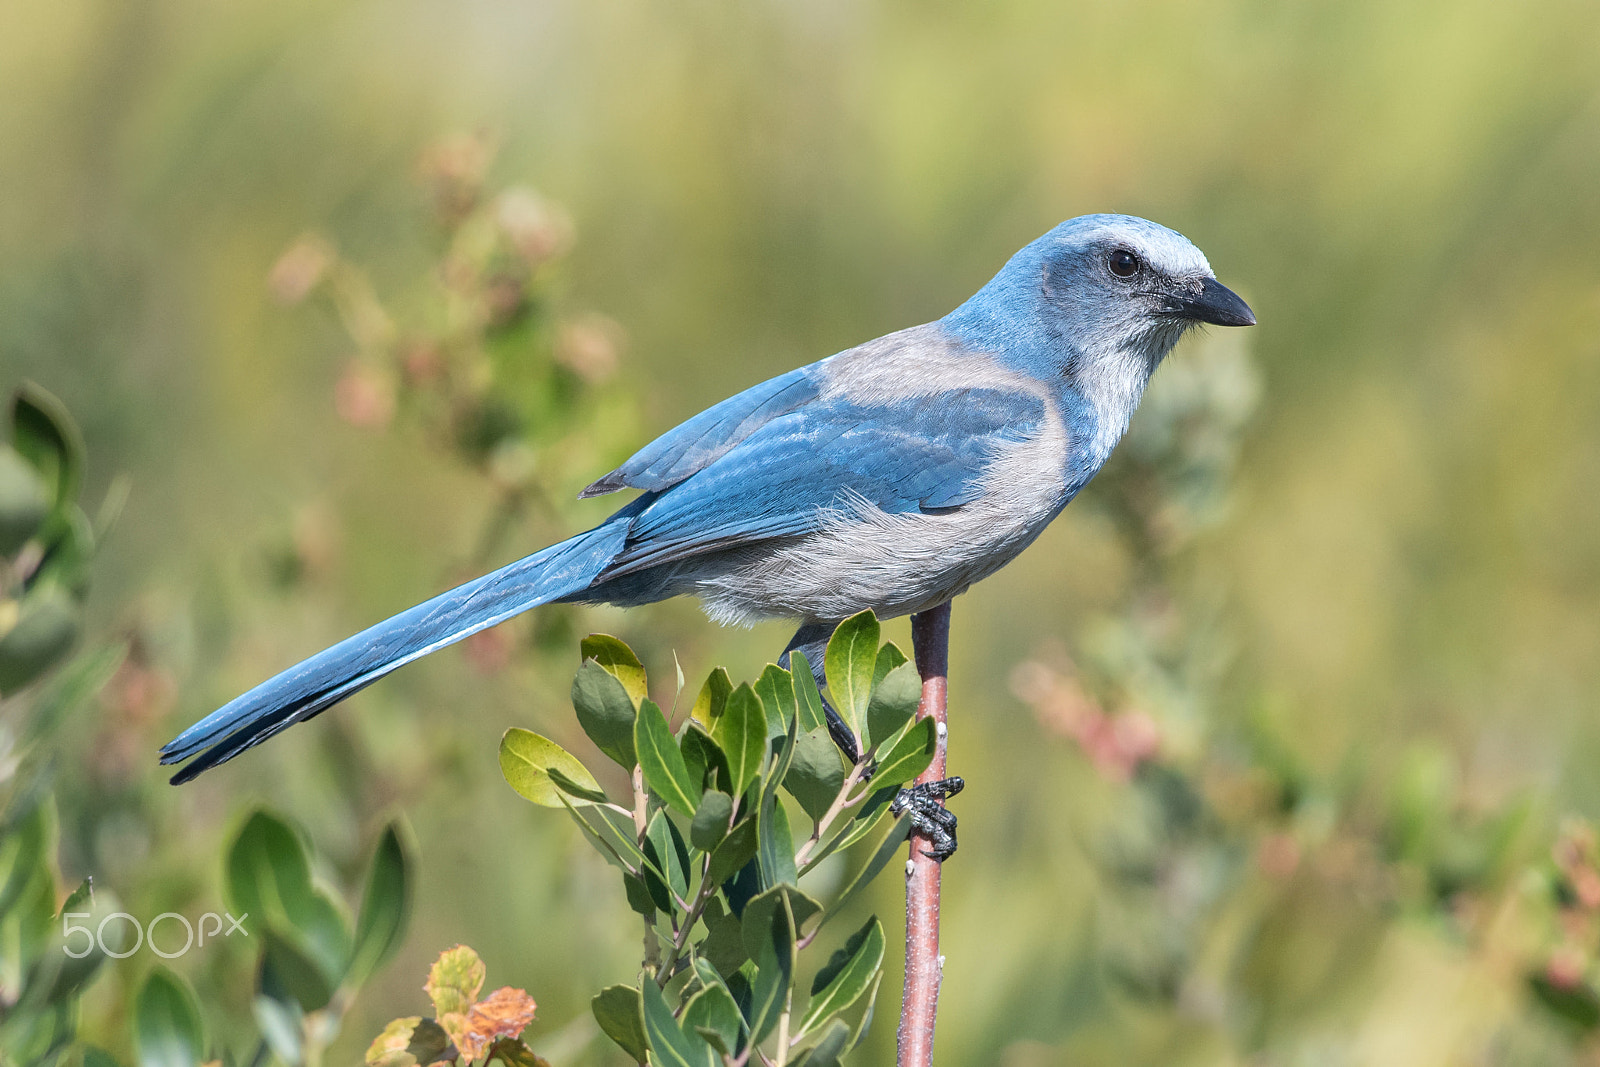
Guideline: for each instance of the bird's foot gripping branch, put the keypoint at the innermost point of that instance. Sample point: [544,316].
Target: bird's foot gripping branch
[710,859]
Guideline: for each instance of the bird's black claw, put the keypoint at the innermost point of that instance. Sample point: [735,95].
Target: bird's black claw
[930,819]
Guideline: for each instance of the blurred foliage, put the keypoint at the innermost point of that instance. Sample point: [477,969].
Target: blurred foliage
[46,546]
[1309,779]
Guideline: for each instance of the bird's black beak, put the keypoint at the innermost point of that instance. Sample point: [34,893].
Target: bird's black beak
[1216,304]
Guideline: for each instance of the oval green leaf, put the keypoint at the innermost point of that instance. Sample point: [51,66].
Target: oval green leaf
[44,432]
[384,907]
[816,772]
[808,698]
[776,690]
[711,819]
[774,959]
[621,1017]
[24,501]
[848,973]
[528,761]
[741,732]
[269,878]
[736,850]
[894,701]
[669,1045]
[713,1015]
[620,662]
[605,711]
[851,657]
[166,1023]
[661,761]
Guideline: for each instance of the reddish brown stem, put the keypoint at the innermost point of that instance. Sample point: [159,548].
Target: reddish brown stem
[919,1004]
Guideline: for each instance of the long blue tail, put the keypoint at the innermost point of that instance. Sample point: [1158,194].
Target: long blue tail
[316,684]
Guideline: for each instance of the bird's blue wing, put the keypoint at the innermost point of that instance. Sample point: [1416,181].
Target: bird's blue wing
[700,441]
[922,453]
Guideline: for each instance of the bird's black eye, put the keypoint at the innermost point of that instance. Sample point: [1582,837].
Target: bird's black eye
[1123,263]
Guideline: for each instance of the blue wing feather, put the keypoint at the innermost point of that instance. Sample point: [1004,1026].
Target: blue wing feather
[698,442]
[921,453]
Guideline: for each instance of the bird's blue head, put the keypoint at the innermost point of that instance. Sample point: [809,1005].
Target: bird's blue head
[1098,295]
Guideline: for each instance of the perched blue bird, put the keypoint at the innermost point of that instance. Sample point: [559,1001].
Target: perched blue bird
[889,476]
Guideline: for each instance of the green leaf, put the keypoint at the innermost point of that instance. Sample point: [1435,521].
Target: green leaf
[910,755]
[384,907]
[816,773]
[847,974]
[605,711]
[703,970]
[757,919]
[776,849]
[576,790]
[269,878]
[619,662]
[42,636]
[621,1017]
[707,765]
[455,980]
[782,757]
[291,973]
[665,850]
[889,657]
[880,858]
[1578,1004]
[24,500]
[736,850]
[774,975]
[711,820]
[43,431]
[713,1015]
[409,1042]
[512,1052]
[601,842]
[619,831]
[723,945]
[640,899]
[741,732]
[659,757]
[851,656]
[865,1022]
[97,1057]
[25,844]
[282,1024]
[808,699]
[894,701]
[669,1045]
[392,1046]
[71,538]
[166,1023]
[527,760]
[713,698]
[776,690]
[826,1052]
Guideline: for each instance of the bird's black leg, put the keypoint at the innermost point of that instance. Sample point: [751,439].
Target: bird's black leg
[932,820]
[919,803]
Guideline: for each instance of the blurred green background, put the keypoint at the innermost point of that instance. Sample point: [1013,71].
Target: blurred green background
[1400,591]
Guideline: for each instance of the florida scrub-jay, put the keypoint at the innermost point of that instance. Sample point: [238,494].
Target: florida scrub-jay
[889,476]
